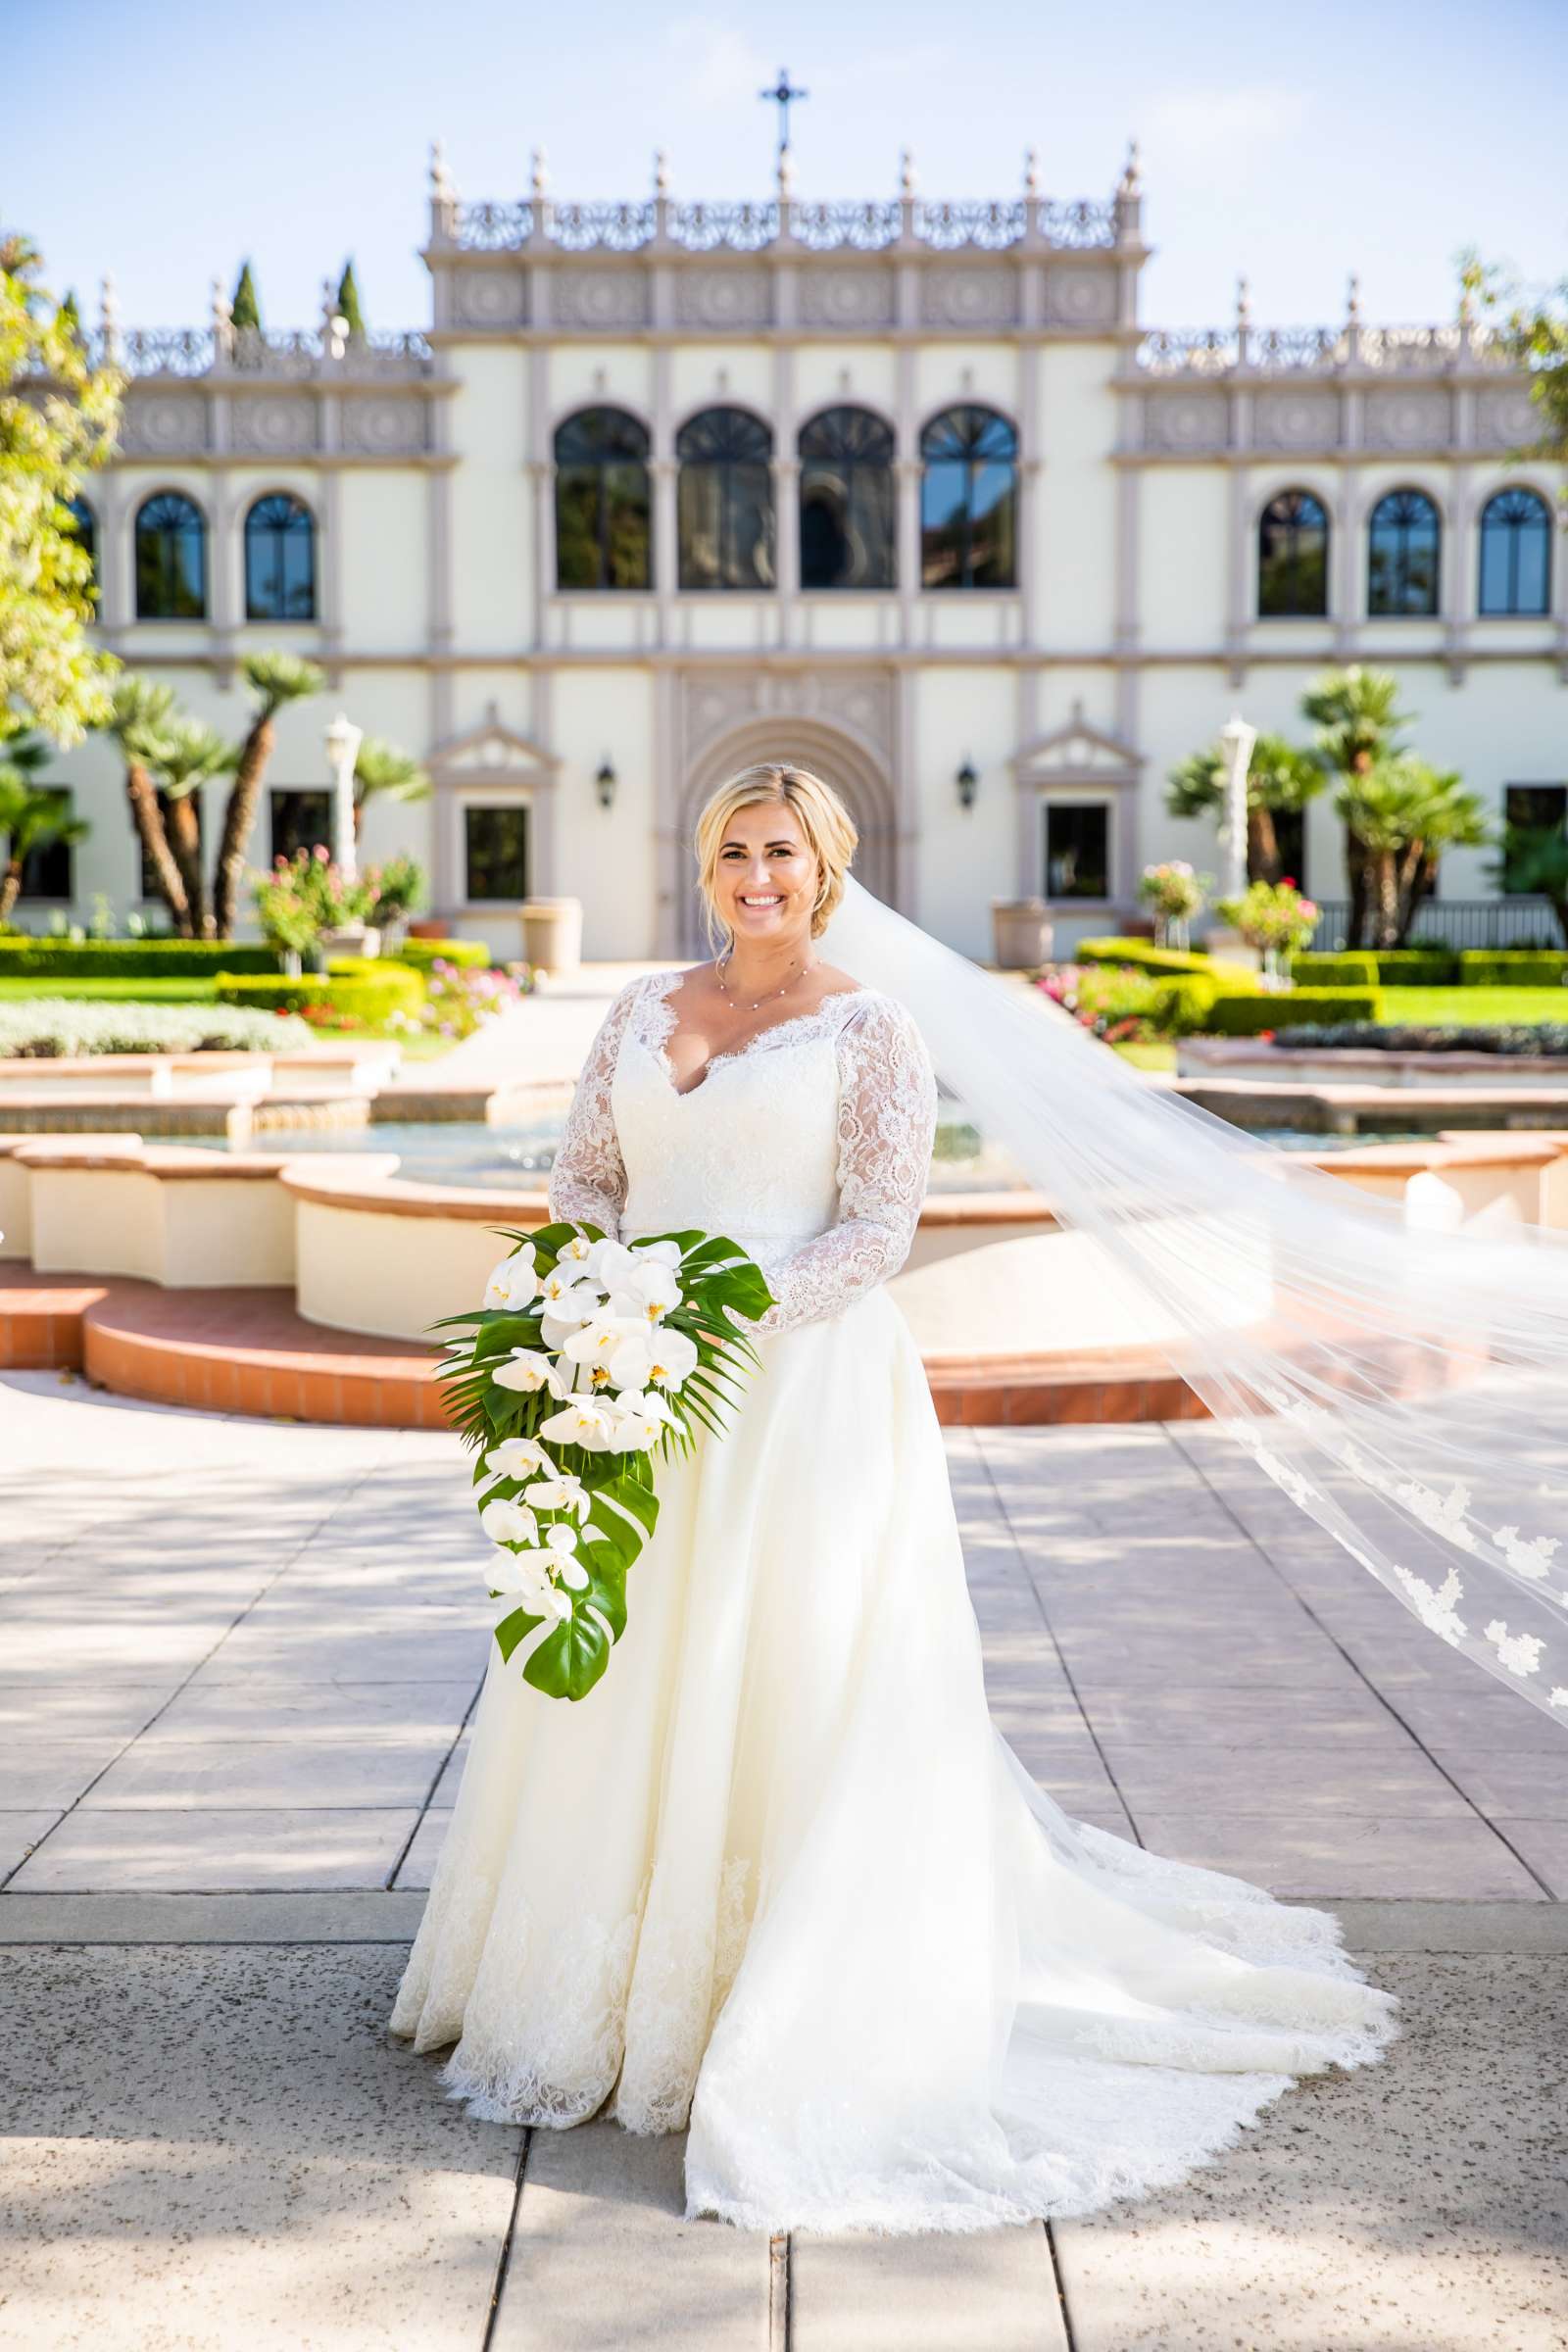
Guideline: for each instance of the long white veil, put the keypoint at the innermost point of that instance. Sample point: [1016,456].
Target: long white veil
[1405,1386]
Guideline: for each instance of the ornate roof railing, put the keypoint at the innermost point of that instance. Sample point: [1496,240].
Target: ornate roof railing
[276,356]
[1213,351]
[750,227]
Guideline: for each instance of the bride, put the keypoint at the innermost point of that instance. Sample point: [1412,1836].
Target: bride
[778,1879]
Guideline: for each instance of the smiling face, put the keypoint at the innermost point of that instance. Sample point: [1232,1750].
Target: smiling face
[766,877]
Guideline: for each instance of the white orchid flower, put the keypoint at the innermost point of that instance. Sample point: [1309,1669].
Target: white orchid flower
[520,1575]
[514,1283]
[613,1264]
[509,1523]
[579,1249]
[670,1357]
[595,1344]
[664,1253]
[561,1542]
[516,1457]
[583,1420]
[639,1417]
[649,1292]
[527,1370]
[559,1492]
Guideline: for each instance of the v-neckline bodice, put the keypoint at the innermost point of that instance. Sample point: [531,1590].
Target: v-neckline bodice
[662,1018]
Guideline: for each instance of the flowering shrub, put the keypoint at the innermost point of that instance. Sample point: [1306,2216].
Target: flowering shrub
[43,1028]
[1175,892]
[1271,914]
[400,888]
[307,894]
[1115,1001]
[459,998]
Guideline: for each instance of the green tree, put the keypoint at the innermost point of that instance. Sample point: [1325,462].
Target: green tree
[245,311]
[1356,720]
[139,717]
[1405,814]
[348,300]
[383,772]
[187,754]
[1532,325]
[276,679]
[1535,857]
[32,816]
[58,417]
[1280,779]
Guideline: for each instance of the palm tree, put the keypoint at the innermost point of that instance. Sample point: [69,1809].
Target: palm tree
[1357,719]
[188,755]
[276,679]
[1280,778]
[383,772]
[139,718]
[1403,815]
[32,816]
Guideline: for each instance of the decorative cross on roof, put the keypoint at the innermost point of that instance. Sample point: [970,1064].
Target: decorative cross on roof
[782,95]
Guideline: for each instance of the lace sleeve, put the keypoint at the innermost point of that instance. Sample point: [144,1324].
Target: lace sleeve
[887,1121]
[588,1181]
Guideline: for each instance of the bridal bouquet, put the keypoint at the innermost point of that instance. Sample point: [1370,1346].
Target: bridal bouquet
[588,1363]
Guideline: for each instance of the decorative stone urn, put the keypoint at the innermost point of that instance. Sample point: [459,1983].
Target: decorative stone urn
[1021,934]
[552,934]
[350,939]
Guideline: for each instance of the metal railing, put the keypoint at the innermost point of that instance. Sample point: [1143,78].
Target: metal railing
[1519,921]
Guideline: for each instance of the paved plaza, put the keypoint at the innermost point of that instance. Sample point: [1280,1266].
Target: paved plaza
[238,1658]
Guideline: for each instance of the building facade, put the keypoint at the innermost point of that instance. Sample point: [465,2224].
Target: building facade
[906,490]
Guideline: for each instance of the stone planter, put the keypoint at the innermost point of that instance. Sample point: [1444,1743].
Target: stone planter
[1229,947]
[552,933]
[351,939]
[1021,934]
[429,927]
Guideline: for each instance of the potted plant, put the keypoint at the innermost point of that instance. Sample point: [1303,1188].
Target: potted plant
[289,922]
[1277,919]
[1175,893]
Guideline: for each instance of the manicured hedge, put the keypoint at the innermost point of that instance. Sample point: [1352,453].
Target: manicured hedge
[130,959]
[469,955]
[1353,968]
[1171,964]
[1182,1008]
[1236,1015]
[1513,967]
[1417,967]
[373,993]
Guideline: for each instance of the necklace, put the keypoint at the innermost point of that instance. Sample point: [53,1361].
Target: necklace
[768,993]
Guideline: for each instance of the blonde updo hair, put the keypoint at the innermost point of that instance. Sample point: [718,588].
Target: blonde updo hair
[829,830]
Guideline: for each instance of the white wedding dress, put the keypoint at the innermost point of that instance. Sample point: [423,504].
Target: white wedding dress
[778,1876]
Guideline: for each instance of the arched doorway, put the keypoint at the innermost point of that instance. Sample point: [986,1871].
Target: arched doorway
[833,752]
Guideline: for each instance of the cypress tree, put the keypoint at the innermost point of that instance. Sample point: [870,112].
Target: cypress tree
[348,300]
[245,309]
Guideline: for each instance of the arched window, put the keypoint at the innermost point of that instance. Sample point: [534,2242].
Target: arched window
[85,527]
[1293,558]
[969,501]
[727,501]
[1404,538]
[171,559]
[280,559]
[847,538]
[1515,554]
[603,507]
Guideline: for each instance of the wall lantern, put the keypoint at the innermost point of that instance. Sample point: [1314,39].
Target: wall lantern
[605,783]
[969,783]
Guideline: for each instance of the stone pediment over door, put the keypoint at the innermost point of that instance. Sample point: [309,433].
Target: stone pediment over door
[491,764]
[1078,753]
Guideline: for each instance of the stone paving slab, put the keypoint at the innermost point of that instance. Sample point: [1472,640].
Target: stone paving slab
[299,2167]
[188,1849]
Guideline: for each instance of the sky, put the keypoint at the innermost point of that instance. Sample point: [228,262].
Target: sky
[166,141]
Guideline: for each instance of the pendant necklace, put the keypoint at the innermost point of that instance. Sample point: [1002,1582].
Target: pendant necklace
[757,1001]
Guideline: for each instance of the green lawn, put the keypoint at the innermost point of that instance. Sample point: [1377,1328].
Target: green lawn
[111,992]
[1465,1007]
